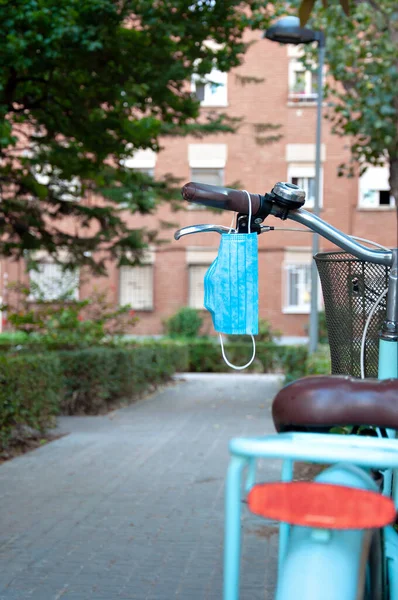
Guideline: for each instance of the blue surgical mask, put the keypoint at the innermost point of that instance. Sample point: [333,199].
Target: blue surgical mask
[231,285]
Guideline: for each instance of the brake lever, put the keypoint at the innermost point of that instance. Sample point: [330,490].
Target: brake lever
[211,228]
[201,229]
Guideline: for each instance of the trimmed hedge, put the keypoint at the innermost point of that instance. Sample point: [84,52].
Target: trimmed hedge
[35,387]
[30,388]
[205,356]
[97,377]
[320,362]
[293,361]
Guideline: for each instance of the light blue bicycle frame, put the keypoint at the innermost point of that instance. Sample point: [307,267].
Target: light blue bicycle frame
[320,564]
[388,359]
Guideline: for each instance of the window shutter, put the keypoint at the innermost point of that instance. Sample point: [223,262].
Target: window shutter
[52,282]
[136,287]
[208,176]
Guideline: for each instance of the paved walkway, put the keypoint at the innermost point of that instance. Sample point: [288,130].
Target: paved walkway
[130,505]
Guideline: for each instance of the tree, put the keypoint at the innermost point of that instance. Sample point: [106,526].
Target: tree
[362,58]
[83,85]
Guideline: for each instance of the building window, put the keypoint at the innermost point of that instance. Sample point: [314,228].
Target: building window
[198,261]
[142,160]
[148,172]
[374,189]
[308,185]
[196,285]
[302,83]
[297,282]
[50,282]
[209,176]
[304,176]
[136,287]
[298,288]
[207,163]
[212,89]
[67,190]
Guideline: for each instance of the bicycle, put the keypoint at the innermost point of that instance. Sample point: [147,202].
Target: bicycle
[336,533]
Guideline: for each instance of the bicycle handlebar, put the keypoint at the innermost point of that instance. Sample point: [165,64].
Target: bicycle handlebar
[344,241]
[237,200]
[220,197]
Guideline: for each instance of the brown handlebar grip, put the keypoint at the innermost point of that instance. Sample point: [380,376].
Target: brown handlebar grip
[220,197]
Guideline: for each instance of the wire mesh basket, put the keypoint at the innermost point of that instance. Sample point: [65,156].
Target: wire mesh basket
[350,288]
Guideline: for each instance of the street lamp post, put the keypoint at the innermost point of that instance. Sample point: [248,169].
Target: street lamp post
[288,31]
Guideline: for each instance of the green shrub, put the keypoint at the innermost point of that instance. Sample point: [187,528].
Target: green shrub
[205,356]
[322,328]
[30,388]
[296,362]
[95,378]
[292,361]
[319,363]
[89,378]
[9,340]
[65,323]
[186,323]
[169,355]
[13,337]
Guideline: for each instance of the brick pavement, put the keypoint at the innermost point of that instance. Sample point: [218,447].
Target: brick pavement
[130,505]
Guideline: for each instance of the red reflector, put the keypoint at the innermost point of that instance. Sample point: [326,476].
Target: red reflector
[321,505]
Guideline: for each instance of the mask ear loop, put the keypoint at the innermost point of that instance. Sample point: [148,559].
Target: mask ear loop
[253,340]
[231,227]
[250,210]
[234,366]
[250,214]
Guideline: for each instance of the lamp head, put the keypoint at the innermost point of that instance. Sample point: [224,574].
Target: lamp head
[288,31]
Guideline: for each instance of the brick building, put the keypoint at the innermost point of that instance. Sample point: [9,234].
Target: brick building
[172,275]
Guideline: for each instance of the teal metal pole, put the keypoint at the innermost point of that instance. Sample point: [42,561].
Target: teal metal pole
[284,528]
[232,535]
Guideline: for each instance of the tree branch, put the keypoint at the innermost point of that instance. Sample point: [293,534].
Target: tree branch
[36,79]
[10,87]
[27,105]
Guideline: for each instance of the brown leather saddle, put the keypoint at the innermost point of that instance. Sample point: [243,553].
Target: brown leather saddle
[322,402]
